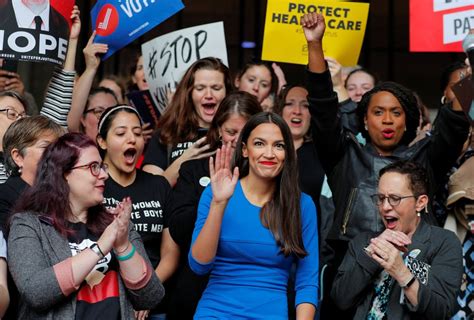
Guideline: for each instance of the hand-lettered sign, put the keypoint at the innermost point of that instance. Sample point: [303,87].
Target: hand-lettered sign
[284,40]
[167,57]
[37,32]
[119,22]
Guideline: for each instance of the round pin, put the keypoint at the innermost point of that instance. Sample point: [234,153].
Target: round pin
[204,181]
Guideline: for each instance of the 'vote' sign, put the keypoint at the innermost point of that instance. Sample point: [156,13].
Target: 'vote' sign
[119,22]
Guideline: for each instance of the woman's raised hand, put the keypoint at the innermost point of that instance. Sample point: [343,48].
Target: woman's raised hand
[76,23]
[313,26]
[223,179]
[92,52]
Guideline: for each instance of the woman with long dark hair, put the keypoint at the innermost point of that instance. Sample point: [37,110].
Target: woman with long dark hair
[249,231]
[68,256]
[233,113]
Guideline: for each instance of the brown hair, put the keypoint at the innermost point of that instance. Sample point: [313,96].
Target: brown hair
[24,133]
[240,103]
[180,121]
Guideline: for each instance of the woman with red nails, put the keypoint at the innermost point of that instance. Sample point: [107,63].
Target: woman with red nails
[250,230]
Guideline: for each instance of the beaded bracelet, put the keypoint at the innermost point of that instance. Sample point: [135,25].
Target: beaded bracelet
[127,256]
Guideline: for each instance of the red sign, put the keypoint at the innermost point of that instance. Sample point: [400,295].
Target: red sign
[440,25]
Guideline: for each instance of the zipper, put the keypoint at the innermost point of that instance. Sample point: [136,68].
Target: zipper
[347,213]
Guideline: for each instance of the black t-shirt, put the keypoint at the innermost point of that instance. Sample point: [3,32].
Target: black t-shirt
[150,195]
[162,155]
[193,178]
[99,296]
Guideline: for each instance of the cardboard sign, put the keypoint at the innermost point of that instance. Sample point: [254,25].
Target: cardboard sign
[440,25]
[119,22]
[143,102]
[166,58]
[37,34]
[284,40]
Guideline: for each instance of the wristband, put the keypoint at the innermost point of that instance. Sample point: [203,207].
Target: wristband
[409,283]
[95,247]
[127,256]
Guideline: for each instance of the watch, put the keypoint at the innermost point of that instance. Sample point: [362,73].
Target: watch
[409,283]
[95,247]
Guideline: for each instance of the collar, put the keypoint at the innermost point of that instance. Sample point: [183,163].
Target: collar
[25,18]
[421,235]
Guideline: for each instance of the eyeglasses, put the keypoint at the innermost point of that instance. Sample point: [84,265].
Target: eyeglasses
[393,199]
[96,111]
[94,167]
[13,115]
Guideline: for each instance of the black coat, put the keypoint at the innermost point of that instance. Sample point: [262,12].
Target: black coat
[353,169]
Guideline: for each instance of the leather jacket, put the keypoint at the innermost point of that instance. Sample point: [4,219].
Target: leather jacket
[353,169]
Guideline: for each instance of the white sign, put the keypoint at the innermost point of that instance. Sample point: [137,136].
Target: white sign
[457,25]
[166,58]
[440,5]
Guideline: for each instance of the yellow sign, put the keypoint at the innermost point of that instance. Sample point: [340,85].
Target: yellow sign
[284,40]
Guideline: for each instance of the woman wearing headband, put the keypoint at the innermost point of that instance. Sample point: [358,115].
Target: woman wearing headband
[121,143]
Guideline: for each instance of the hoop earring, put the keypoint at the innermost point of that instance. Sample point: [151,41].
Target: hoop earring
[365,126]
[443,100]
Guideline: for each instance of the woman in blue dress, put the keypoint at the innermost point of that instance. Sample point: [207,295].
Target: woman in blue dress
[250,230]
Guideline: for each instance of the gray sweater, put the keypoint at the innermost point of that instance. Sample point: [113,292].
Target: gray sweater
[34,247]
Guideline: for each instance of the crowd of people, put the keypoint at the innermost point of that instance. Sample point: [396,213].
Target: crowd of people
[253,198]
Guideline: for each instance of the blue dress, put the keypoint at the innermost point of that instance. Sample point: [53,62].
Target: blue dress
[249,275]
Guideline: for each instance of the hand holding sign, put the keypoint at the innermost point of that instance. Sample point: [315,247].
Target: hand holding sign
[92,52]
[76,23]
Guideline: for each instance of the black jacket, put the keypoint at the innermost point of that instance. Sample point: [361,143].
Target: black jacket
[439,248]
[10,192]
[193,176]
[353,169]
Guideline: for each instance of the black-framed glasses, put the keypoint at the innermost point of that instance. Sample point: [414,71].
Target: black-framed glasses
[94,167]
[13,114]
[393,199]
[96,111]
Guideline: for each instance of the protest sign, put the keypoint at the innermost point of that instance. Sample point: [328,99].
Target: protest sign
[284,40]
[440,25]
[143,102]
[166,58]
[118,22]
[35,30]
